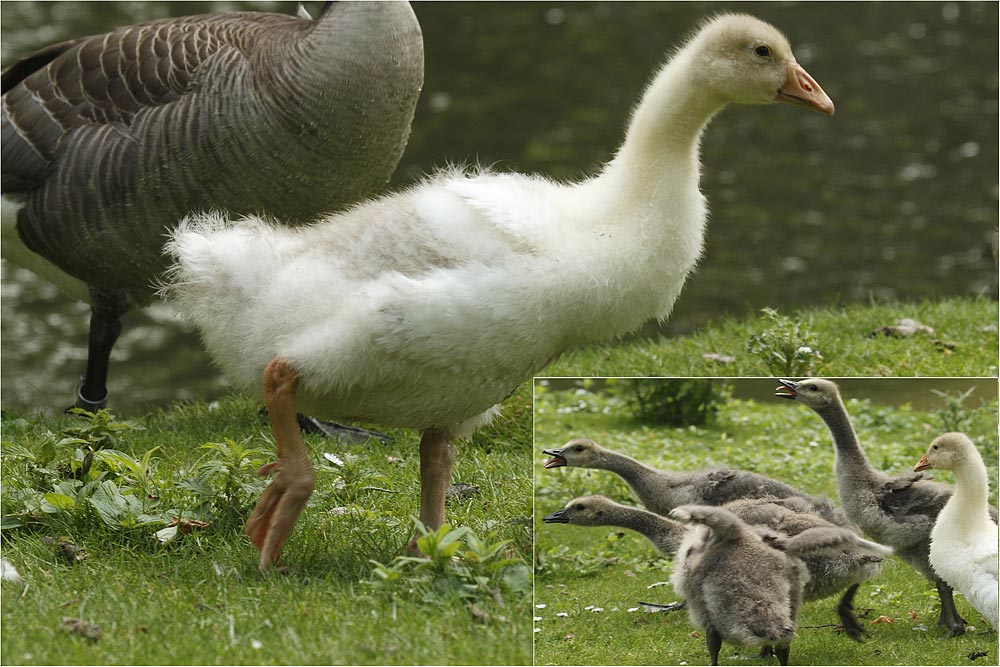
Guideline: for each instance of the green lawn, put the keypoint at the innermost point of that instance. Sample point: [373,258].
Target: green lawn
[347,597]
[198,598]
[588,580]
[964,343]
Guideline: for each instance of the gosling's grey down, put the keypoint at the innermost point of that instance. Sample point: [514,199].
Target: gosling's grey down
[744,584]
[829,573]
[662,490]
[898,511]
[109,140]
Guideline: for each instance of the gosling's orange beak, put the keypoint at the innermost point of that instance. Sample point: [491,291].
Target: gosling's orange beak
[802,90]
[922,464]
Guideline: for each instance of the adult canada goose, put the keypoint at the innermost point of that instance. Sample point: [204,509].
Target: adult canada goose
[109,140]
[744,584]
[829,573]
[427,308]
[964,537]
[898,511]
[662,490]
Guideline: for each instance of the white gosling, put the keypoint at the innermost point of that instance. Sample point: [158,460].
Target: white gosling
[964,538]
[427,308]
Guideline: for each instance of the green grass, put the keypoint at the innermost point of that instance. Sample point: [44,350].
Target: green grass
[198,598]
[613,570]
[843,339]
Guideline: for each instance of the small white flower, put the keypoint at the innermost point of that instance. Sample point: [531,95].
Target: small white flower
[540,606]
[538,618]
[333,458]
[255,644]
[805,349]
[631,609]
[538,629]
[597,609]
[562,614]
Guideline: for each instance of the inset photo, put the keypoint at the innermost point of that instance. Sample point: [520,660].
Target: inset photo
[693,521]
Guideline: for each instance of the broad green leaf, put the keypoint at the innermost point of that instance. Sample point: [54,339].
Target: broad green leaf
[60,501]
[109,503]
[9,522]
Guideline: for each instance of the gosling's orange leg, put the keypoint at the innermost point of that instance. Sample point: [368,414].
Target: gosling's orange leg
[294,478]
[437,452]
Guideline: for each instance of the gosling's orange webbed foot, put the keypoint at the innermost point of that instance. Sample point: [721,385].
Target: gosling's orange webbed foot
[285,497]
[278,508]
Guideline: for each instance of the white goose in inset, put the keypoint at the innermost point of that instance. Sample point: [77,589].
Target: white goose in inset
[964,538]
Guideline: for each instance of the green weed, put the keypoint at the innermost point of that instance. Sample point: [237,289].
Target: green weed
[785,345]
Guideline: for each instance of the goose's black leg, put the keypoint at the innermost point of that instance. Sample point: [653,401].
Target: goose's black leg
[714,640]
[782,653]
[949,615]
[845,610]
[106,310]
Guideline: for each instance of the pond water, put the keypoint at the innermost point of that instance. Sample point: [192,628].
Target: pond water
[893,197]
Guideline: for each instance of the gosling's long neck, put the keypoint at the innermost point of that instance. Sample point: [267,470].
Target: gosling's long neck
[662,143]
[641,221]
[665,534]
[648,484]
[851,466]
[972,490]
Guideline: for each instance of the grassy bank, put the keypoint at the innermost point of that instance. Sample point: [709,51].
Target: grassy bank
[97,546]
[963,343]
[588,581]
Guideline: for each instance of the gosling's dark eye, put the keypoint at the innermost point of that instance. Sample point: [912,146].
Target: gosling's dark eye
[934,447]
[762,51]
[578,448]
[580,508]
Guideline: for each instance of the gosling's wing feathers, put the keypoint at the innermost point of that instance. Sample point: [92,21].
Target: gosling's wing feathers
[720,477]
[524,207]
[913,499]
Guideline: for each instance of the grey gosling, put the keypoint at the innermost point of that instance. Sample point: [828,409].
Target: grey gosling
[898,511]
[661,490]
[744,584]
[829,573]
[665,535]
